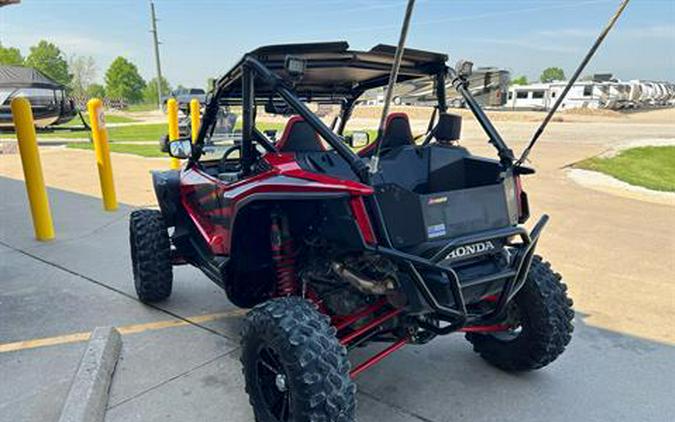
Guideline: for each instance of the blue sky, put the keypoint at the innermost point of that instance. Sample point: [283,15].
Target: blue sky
[203,38]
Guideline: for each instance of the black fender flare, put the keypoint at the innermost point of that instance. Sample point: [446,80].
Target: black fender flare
[167,191]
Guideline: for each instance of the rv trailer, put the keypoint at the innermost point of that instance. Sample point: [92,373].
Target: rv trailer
[530,97]
[489,86]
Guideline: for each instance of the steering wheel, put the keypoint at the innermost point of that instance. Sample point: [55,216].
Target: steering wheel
[225,166]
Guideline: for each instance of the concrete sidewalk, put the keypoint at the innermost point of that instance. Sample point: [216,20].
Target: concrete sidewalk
[176,366]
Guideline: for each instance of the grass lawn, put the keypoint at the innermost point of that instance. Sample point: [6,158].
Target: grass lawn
[649,167]
[140,132]
[109,118]
[141,107]
[144,150]
[144,132]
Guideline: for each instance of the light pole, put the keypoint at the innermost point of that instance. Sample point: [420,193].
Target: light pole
[157,63]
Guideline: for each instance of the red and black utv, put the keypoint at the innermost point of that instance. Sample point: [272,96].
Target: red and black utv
[333,253]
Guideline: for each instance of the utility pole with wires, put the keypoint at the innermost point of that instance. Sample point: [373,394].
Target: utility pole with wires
[156,45]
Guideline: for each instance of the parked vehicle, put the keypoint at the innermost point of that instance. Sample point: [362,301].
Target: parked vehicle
[333,251]
[48,99]
[184,95]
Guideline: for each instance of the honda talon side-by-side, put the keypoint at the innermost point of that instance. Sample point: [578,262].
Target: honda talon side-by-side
[335,247]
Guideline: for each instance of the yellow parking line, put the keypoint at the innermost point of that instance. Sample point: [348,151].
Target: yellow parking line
[124,329]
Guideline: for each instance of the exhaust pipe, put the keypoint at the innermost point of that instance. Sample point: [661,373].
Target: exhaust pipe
[364,284]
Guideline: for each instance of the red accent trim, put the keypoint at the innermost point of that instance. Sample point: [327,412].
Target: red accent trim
[362,219]
[377,358]
[485,328]
[229,196]
[281,143]
[369,326]
[368,149]
[343,321]
[491,298]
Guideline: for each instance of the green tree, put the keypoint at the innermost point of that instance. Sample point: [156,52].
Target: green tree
[10,55]
[519,80]
[95,91]
[49,59]
[150,91]
[551,74]
[122,80]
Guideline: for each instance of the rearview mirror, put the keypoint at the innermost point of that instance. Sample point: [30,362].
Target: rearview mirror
[180,148]
[358,139]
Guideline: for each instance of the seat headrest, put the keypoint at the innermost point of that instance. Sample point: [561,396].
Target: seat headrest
[397,131]
[448,128]
[299,136]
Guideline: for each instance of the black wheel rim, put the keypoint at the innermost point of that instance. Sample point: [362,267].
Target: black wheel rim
[273,384]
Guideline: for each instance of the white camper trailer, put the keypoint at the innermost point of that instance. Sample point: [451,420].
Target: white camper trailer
[529,97]
[581,95]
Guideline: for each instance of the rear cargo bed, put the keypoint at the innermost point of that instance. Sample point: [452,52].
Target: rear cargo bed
[414,218]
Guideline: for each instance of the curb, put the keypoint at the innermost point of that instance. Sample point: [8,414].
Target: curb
[88,395]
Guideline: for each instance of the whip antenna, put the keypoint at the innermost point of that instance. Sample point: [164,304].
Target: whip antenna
[571,82]
[393,76]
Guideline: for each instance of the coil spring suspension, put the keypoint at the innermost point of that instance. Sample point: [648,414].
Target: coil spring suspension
[283,254]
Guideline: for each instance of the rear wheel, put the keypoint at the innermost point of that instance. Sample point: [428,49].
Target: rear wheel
[150,255]
[541,315]
[295,368]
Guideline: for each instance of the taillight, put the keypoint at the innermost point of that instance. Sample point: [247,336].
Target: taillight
[519,192]
[521,200]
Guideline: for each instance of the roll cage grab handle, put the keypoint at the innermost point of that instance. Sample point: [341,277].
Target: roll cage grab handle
[249,68]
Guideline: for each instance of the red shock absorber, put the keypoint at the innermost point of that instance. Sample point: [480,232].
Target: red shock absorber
[283,254]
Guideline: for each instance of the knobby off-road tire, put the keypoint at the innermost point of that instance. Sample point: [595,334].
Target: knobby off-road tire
[288,338]
[546,324]
[150,255]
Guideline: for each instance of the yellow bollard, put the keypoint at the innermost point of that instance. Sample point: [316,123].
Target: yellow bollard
[100,134]
[172,113]
[32,169]
[194,118]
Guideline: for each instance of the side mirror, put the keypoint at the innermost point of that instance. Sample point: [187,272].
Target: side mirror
[272,134]
[358,139]
[180,148]
[464,68]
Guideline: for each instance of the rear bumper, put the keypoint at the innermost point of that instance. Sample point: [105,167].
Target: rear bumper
[445,288]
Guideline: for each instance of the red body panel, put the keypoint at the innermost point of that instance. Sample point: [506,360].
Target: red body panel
[212,204]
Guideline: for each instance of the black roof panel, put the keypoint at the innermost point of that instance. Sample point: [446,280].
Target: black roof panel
[333,71]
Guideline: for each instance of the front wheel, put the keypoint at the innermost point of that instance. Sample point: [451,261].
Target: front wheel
[541,315]
[150,255]
[294,366]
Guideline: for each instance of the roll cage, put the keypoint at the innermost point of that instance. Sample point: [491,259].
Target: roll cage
[331,74]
